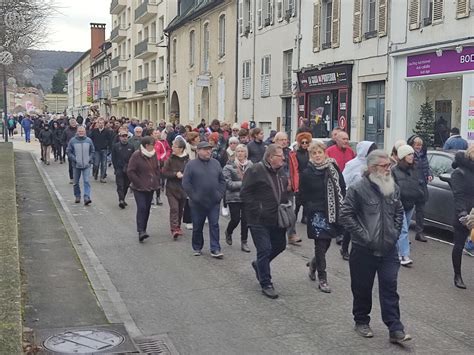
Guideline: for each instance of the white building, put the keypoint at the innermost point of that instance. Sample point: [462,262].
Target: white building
[268,48]
[139,55]
[432,59]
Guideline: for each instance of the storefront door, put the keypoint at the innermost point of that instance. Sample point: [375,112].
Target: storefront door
[375,113]
[320,114]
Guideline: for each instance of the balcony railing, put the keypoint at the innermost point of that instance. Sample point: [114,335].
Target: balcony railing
[142,84]
[117,5]
[115,91]
[142,9]
[116,31]
[115,62]
[286,86]
[142,46]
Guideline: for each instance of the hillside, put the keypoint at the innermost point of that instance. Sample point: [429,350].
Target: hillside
[46,63]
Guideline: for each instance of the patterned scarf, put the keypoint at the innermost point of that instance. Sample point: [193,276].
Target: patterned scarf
[334,194]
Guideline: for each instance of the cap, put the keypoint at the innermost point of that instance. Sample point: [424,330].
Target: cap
[203,145]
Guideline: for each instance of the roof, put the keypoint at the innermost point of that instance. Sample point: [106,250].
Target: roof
[198,8]
[85,54]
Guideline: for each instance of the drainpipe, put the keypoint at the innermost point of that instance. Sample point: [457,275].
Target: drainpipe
[254,26]
[236,86]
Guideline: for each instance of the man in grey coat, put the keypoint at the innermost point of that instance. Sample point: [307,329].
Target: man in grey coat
[80,151]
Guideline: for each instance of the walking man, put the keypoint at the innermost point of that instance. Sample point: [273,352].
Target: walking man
[373,214]
[121,153]
[80,152]
[69,133]
[261,209]
[205,186]
[26,123]
[102,139]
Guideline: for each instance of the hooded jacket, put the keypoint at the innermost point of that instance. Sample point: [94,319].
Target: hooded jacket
[80,151]
[462,179]
[354,168]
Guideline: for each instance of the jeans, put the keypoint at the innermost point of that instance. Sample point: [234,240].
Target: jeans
[71,169]
[122,182]
[403,241]
[291,231]
[46,151]
[143,200]
[27,135]
[100,160]
[198,215]
[86,173]
[321,246]
[269,241]
[237,216]
[460,235]
[363,267]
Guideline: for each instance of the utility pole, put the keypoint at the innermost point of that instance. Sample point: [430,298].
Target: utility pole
[5,105]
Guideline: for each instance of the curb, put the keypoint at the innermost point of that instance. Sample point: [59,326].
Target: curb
[11,328]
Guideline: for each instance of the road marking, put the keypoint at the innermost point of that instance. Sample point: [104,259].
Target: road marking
[111,302]
[449,243]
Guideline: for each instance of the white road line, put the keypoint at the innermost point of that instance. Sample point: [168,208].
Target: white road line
[449,243]
[109,298]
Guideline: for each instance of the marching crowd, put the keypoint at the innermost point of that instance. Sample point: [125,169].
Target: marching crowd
[366,197]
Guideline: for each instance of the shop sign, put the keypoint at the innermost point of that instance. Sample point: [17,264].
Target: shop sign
[325,78]
[470,119]
[89,92]
[449,62]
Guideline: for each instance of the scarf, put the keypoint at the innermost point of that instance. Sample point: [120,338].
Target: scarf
[241,167]
[146,152]
[334,194]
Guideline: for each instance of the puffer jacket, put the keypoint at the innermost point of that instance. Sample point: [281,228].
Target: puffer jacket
[373,220]
[172,166]
[462,179]
[407,180]
[80,151]
[355,167]
[233,181]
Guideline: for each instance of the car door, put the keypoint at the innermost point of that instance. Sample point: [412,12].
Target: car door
[440,206]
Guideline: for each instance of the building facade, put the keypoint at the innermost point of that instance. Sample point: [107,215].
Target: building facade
[101,79]
[79,86]
[268,54]
[433,61]
[55,103]
[202,61]
[139,55]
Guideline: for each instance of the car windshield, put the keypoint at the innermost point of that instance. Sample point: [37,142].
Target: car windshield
[440,164]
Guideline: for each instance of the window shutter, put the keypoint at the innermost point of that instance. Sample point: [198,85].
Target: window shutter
[383,17]
[241,17]
[357,22]
[316,26]
[271,11]
[335,23]
[279,10]
[414,14]
[462,8]
[438,11]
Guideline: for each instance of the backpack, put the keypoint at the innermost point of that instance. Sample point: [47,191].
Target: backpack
[11,123]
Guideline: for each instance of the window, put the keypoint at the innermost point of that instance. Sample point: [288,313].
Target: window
[206,48]
[327,22]
[161,26]
[161,68]
[174,55]
[241,17]
[287,70]
[291,9]
[279,10]
[245,19]
[265,76]
[153,71]
[427,12]
[139,72]
[192,46]
[259,13]
[246,79]
[268,12]
[221,36]
[371,18]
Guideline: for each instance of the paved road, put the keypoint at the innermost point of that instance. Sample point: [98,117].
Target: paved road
[215,306]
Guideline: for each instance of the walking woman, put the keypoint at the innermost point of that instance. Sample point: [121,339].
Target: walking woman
[233,174]
[461,184]
[173,172]
[322,190]
[163,152]
[144,174]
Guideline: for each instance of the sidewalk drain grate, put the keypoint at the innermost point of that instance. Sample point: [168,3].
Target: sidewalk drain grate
[155,344]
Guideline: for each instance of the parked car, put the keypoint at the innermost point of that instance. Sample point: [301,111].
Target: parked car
[439,210]
[352,144]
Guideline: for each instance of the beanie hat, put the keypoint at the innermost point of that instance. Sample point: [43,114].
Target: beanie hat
[404,150]
[399,143]
[236,126]
[302,136]
[245,125]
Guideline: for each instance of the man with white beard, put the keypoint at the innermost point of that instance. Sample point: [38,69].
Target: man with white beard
[373,214]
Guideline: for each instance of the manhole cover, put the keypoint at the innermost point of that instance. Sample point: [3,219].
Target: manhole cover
[83,341]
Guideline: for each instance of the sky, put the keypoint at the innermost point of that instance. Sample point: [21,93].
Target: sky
[69,29]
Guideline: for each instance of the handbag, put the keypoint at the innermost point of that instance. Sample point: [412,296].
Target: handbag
[286,215]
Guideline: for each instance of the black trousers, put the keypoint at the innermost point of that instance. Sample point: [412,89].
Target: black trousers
[346,240]
[143,200]
[187,213]
[71,171]
[420,212]
[363,267]
[321,246]
[460,235]
[237,216]
[122,182]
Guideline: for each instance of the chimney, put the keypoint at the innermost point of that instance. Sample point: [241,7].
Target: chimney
[97,38]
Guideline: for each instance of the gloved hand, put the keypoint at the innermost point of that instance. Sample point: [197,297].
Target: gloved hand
[470,220]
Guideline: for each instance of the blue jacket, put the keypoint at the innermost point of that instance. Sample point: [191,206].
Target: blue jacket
[26,123]
[80,151]
[455,143]
[204,182]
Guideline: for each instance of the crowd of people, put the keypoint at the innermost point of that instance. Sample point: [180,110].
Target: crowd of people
[366,197]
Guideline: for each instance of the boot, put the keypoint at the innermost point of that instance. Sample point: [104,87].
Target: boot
[458,282]
[312,271]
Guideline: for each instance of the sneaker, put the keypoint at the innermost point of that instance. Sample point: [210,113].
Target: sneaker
[103,181]
[324,287]
[71,181]
[122,204]
[158,201]
[217,254]
[175,234]
[399,337]
[87,201]
[345,254]
[339,240]
[197,253]
[244,247]
[228,238]
[77,200]
[420,237]
[225,211]
[270,292]
[142,236]
[364,330]
[312,271]
[189,226]
[405,261]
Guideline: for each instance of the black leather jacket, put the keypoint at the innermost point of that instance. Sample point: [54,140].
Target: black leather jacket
[461,183]
[374,221]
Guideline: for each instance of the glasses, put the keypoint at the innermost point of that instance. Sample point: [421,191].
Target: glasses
[384,166]
[278,155]
[235,130]
[304,142]
[124,135]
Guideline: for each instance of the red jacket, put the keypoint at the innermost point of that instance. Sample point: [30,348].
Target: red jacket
[294,172]
[340,156]
[163,150]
